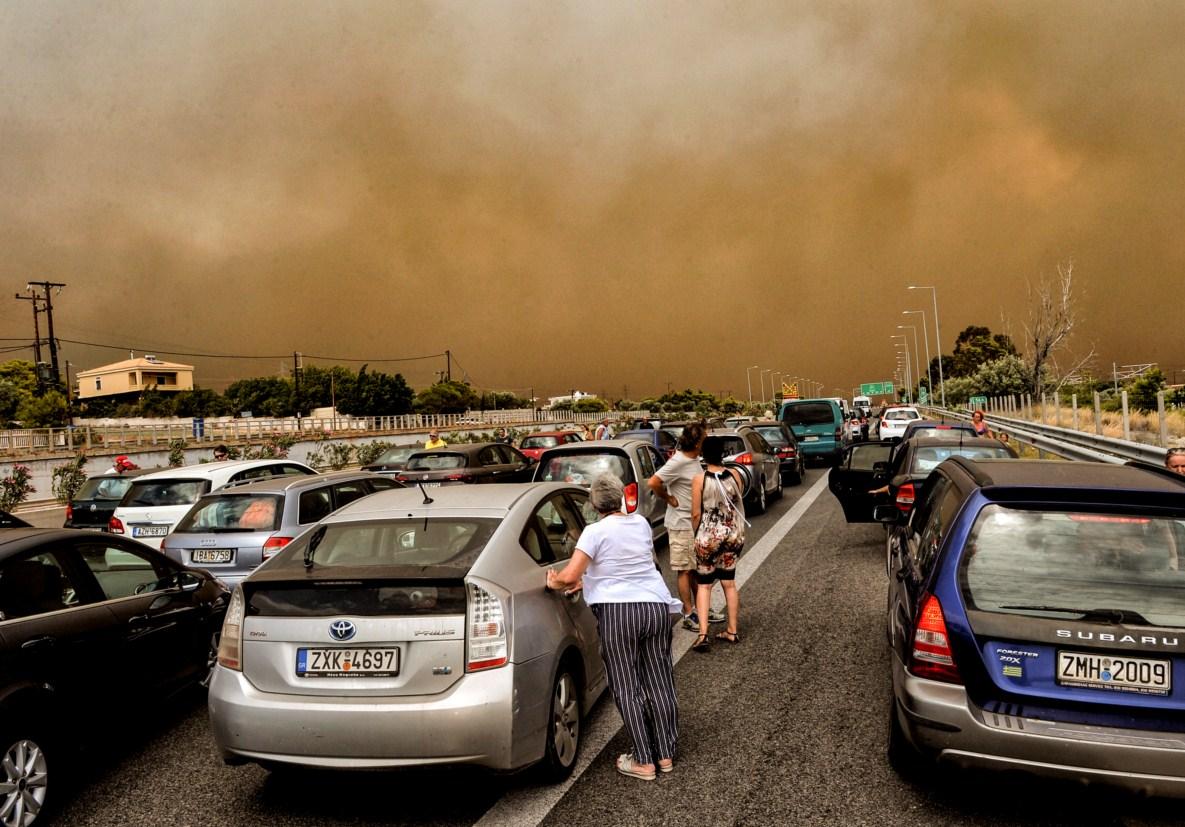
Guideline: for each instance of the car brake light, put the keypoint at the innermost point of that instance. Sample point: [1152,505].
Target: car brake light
[274,544]
[743,459]
[401,477]
[69,512]
[230,644]
[460,477]
[487,631]
[631,498]
[905,497]
[115,525]
[932,657]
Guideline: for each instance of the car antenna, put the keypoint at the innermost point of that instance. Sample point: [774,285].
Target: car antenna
[427,500]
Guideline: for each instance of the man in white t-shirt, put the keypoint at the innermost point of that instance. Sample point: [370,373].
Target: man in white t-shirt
[672,484]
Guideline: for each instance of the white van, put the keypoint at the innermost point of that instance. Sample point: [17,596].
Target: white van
[156,502]
[862,404]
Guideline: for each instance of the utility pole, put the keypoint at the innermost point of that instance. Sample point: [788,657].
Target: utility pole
[53,342]
[36,325]
[448,364]
[297,370]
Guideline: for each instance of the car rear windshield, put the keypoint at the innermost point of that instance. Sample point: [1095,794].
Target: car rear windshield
[540,442]
[393,455]
[233,512]
[774,436]
[164,492]
[926,459]
[437,542]
[436,462]
[358,599]
[732,445]
[902,413]
[809,413]
[104,488]
[583,467]
[1076,566]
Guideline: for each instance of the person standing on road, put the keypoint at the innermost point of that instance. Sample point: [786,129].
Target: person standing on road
[121,463]
[718,519]
[502,436]
[614,564]
[603,430]
[434,441]
[672,485]
[1174,460]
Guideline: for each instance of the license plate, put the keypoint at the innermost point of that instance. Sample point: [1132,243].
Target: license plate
[347,663]
[810,439]
[149,530]
[213,555]
[1143,676]
[430,484]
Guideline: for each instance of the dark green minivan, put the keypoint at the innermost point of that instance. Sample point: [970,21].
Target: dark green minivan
[818,426]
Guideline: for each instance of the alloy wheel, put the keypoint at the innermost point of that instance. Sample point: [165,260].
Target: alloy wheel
[22,784]
[211,659]
[565,714]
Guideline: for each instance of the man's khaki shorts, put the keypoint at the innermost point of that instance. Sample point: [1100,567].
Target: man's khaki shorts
[682,544]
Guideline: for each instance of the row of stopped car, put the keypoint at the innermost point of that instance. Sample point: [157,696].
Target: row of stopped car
[1035,613]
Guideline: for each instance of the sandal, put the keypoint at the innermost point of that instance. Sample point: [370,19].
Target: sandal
[626,766]
[667,767]
[702,643]
[729,637]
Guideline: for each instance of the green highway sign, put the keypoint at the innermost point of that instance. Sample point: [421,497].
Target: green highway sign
[876,389]
[923,396]
[978,401]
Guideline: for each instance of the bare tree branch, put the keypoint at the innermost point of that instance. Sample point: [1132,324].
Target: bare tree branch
[1052,318]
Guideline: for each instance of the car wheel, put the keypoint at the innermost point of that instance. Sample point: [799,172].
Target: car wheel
[759,498]
[563,727]
[211,659]
[905,760]
[24,777]
[778,490]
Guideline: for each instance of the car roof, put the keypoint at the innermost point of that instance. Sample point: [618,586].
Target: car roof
[133,472]
[489,500]
[947,441]
[552,433]
[280,485]
[18,539]
[593,446]
[211,469]
[460,448]
[766,423]
[1065,476]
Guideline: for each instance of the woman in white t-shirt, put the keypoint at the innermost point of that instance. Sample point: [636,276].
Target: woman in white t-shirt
[614,564]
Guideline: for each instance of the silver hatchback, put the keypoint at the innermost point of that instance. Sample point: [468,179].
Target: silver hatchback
[229,532]
[413,628]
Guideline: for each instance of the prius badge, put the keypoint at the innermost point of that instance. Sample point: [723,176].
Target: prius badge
[342,630]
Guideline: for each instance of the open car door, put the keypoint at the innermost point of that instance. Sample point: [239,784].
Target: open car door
[864,467]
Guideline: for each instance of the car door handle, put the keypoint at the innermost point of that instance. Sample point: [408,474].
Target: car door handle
[42,642]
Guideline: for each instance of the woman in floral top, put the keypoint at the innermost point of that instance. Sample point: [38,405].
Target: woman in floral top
[718,520]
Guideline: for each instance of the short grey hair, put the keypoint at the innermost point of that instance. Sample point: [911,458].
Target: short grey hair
[605,493]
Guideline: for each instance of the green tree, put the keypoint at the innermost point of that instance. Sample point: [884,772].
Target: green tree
[590,404]
[263,396]
[1141,392]
[1001,376]
[446,397]
[376,394]
[45,411]
[321,387]
[975,346]
[200,402]
[18,384]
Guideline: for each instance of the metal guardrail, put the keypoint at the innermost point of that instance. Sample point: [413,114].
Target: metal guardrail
[1066,442]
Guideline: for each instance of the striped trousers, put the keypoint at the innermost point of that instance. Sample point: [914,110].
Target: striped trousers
[636,648]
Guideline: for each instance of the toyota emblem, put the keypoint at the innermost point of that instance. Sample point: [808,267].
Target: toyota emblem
[342,630]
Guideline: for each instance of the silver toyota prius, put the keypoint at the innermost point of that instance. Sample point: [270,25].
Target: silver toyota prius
[412,627]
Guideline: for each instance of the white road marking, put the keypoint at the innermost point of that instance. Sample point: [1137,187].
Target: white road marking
[528,806]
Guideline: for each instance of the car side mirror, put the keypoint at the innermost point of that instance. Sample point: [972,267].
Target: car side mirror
[888,514]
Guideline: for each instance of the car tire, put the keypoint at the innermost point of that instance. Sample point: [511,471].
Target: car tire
[565,724]
[778,490]
[26,762]
[903,757]
[211,659]
[759,497]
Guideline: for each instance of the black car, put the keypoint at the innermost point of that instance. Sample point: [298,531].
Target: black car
[934,427]
[11,521]
[873,473]
[782,439]
[472,463]
[392,461]
[95,502]
[90,624]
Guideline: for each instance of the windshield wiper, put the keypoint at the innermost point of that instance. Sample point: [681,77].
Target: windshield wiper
[1098,615]
[311,548]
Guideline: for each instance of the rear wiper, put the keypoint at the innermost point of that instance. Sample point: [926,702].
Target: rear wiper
[226,529]
[311,548]
[1100,615]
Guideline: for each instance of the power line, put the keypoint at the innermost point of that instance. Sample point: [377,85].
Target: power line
[284,356]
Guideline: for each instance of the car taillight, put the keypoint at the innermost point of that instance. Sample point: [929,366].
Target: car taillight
[839,432]
[115,525]
[69,513]
[786,453]
[274,544]
[631,498]
[487,645]
[932,657]
[743,459]
[905,497]
[460,477]
[401,477]
[230,644]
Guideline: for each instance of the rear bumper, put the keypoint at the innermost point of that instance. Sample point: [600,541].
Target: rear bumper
[823,447]
[943,724]
[470,723]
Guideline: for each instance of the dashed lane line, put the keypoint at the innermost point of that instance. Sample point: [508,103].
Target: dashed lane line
[527,807]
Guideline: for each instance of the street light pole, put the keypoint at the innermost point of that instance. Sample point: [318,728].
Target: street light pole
[917,373]
[909,384]
[773,384]
[937,338]
[761,381]
[926,339]
[749,382]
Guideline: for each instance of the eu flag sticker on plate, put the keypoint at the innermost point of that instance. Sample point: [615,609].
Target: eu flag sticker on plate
[1014,672]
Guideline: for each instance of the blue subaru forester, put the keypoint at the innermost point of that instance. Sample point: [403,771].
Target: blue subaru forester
[1036,618]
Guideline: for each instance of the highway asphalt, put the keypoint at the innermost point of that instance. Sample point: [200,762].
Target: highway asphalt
[787,727]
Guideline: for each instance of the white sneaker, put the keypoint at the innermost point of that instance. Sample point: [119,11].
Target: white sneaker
[716,616]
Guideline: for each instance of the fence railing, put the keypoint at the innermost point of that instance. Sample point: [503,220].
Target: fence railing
[38,441]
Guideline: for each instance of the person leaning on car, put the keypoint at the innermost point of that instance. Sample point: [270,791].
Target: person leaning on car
[1174,460]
